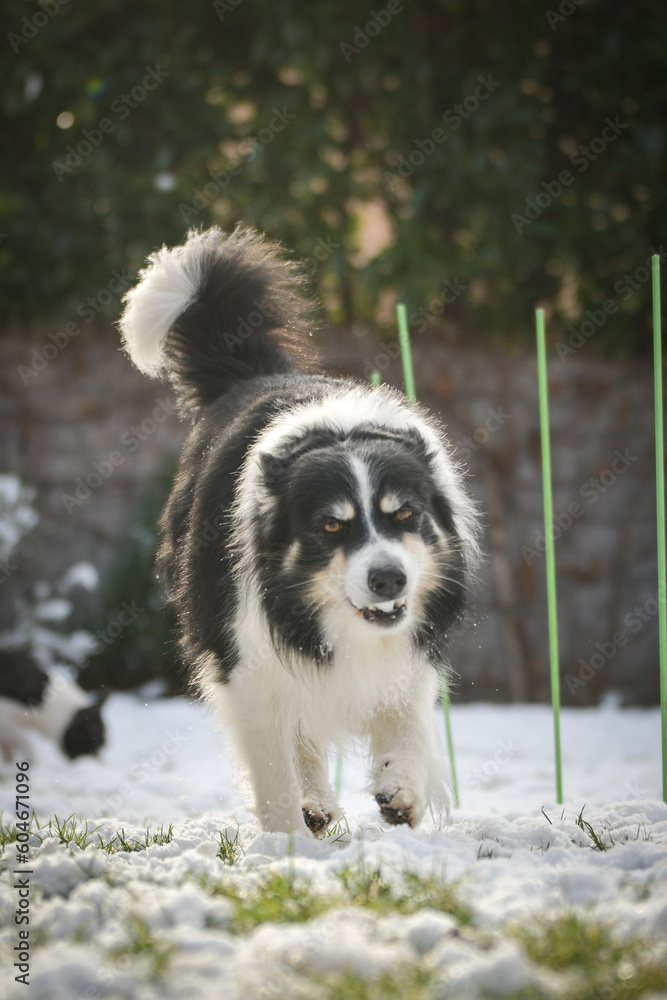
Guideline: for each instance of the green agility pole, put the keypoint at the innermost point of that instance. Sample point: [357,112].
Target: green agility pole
[660,497]
[406,353]
[409,382]
[549,536]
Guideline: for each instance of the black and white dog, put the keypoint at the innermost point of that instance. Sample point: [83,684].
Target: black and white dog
[318,539]
[50,703]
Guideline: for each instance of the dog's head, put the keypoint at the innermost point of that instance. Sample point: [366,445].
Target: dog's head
[357,531]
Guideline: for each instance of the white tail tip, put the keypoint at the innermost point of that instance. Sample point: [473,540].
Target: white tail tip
[168,284]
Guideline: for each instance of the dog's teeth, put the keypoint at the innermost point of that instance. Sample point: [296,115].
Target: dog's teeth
[386,607]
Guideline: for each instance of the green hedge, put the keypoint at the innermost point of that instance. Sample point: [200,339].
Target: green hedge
[508,154]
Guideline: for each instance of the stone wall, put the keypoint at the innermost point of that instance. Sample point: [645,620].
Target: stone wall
[89,432]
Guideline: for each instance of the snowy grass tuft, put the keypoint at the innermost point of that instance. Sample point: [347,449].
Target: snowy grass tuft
[230,848]
[598,843]
[120,843]
[74,831]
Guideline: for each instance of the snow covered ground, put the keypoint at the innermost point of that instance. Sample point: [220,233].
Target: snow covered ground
[167,921]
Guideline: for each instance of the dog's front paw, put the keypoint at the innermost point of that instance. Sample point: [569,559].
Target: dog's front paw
[317,817]
[401,805]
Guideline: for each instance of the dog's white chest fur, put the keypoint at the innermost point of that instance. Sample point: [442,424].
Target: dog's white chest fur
[284,717]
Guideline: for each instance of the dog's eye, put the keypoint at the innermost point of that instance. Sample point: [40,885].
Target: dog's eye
[332,526]
[403,514]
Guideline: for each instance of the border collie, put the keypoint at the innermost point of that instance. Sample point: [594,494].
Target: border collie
[50,703]
[318,540]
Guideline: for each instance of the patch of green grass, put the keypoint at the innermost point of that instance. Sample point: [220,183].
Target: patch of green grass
[120,843]
[286,899]
[144,943]
[7,832]
[230,849]
[69,831]
[74,831]
[274,898]
[408,894]
[571,942]
[411,983]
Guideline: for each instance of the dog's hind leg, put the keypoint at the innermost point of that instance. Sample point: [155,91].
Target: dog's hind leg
[318,798]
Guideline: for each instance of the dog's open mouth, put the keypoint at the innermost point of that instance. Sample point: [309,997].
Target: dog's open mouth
[386,613]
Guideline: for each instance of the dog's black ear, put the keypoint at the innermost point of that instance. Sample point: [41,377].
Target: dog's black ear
[273,468]
[443,512]
[416,443]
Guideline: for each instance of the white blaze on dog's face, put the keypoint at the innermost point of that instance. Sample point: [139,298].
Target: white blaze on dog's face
[357,533]
[383,574]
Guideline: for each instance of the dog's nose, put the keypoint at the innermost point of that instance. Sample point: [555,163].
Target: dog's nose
[387,582]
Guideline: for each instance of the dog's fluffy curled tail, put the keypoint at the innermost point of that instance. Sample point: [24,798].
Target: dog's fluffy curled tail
[215,311]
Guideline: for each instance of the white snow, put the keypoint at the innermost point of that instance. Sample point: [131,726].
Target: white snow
[513,852]
[81,574]
[17,517]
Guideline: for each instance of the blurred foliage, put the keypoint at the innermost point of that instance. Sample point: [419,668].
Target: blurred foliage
[365,88]
[145,649]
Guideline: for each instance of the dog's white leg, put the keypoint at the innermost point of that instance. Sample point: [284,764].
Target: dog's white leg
[408,772]
[15,743]
[264,729]
[319,800]
[274,779]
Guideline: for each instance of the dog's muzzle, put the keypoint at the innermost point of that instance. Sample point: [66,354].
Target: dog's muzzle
[387,584]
